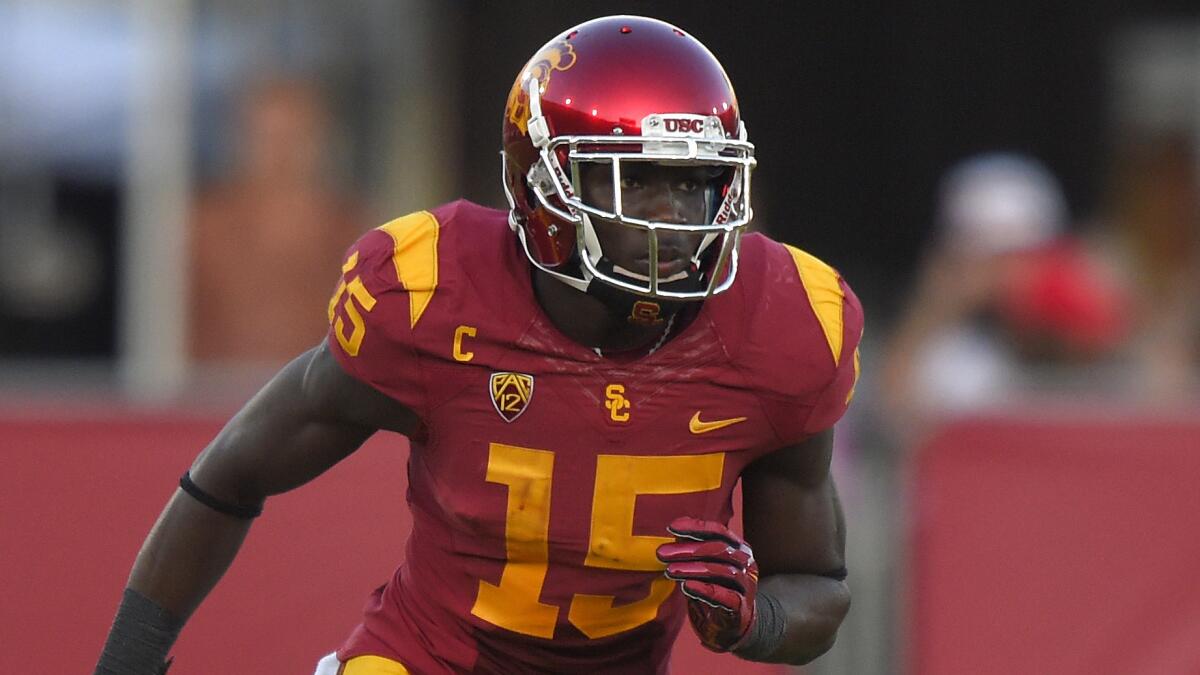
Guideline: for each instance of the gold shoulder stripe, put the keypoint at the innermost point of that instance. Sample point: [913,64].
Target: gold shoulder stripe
[416,258]
[857,372]
[824,294]
[373,665]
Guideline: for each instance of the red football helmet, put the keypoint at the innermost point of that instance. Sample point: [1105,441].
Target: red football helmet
[614,90]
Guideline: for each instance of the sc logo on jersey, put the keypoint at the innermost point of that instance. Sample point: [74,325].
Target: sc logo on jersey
[614,400]
[511,393]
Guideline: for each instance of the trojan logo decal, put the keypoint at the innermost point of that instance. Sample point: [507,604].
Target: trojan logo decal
[558,55]
[511,393]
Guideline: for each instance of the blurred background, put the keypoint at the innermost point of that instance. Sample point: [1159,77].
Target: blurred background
[1013,189]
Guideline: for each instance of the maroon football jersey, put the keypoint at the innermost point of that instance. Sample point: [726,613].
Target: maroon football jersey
[544,475]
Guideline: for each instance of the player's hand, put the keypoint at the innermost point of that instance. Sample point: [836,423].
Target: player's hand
[715,569]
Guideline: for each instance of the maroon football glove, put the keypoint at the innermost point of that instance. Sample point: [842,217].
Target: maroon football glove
[717,573]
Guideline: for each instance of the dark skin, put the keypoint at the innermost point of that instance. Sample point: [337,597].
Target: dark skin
[666,194]
[312,414]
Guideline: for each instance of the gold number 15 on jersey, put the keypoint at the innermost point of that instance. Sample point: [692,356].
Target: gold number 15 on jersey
[352,290]
[515,603]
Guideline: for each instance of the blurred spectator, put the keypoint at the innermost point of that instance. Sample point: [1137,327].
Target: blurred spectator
[1156,208]
[1003,291]
[264,239]
[1170,349]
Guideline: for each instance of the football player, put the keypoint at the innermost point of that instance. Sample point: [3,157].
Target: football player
[583,379]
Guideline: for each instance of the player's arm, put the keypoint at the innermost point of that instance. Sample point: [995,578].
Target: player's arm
[791,512]
[783,600]
[790,508]
[307,418]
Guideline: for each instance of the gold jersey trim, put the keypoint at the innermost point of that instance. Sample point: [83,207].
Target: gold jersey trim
[415,256]
[824,294]
[373,665]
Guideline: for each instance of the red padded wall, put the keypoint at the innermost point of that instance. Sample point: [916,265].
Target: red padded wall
[1067,546]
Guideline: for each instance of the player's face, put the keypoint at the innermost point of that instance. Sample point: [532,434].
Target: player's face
[671,194]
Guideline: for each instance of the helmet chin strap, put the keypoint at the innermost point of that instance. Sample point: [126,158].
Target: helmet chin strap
[634,308]
[637,309]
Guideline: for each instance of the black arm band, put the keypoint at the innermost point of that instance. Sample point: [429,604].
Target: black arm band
[140,637]
[766,633]
[839,574]
[235,510]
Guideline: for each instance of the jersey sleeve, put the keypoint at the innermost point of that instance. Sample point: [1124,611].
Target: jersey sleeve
[833,401]
[817,364]
[388,278]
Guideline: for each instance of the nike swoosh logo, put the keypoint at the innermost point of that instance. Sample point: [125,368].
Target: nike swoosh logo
[696,426]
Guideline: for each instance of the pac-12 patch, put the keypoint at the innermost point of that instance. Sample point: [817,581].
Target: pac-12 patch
[511,393]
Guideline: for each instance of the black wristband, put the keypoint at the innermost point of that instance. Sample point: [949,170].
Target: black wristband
[839,574]
[235,510]
[766,633]
[139,639]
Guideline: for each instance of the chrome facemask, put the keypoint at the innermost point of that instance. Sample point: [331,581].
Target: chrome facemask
[680,139]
